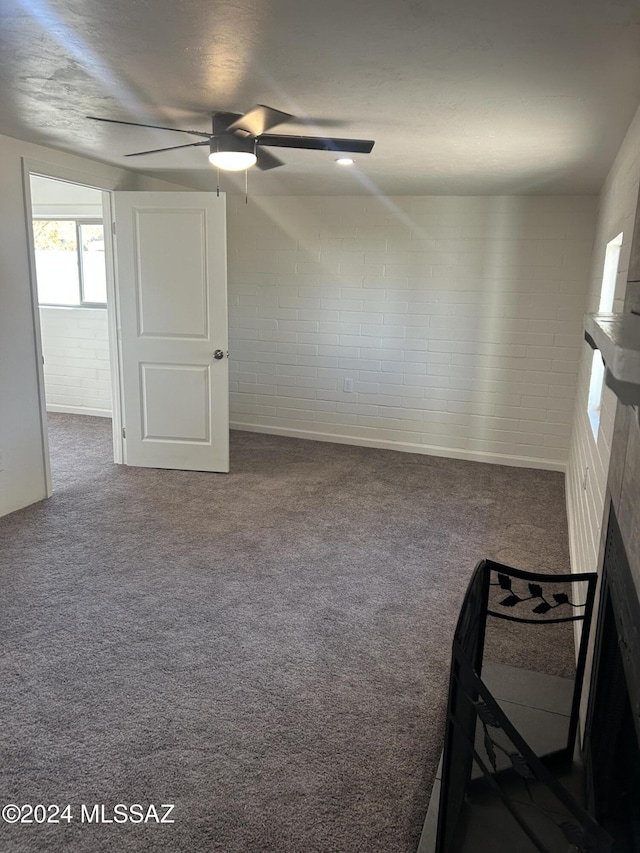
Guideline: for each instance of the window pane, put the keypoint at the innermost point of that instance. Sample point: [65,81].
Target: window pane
[56,262]
[94,280]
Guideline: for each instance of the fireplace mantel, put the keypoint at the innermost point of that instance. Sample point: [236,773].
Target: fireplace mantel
[617,336]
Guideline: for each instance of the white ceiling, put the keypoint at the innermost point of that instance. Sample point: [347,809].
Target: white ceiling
[462,97]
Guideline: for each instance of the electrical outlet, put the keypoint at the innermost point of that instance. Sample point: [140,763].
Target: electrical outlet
[348,386]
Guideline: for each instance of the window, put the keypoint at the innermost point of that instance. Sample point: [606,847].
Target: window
[607,293]
[70,266]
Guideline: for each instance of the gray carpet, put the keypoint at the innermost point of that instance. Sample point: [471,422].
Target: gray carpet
[266,649]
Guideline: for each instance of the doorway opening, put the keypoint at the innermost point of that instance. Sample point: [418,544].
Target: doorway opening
[166,317]
[71,271]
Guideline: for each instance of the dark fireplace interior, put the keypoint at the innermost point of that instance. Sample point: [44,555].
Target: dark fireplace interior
[612,737]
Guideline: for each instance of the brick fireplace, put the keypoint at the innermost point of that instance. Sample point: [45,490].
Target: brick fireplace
[612,733]
[612,728]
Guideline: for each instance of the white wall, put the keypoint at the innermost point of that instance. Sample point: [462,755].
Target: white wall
[22,479]
[60,198]
[459,320]
[77,373]
[589,461]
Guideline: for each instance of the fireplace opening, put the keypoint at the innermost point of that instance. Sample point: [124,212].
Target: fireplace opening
[612,751]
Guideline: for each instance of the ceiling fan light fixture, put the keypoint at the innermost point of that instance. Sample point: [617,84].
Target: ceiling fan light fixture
[232,161]
[232,154]
[234,139]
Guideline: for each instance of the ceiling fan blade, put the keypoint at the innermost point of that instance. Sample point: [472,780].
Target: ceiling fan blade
[312,122]
[267,160]
[156,126]
[257,120]
[170,148]
[316,143]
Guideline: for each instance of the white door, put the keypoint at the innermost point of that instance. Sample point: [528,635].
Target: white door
[172,300]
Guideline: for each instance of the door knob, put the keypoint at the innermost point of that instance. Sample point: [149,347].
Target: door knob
[218,354]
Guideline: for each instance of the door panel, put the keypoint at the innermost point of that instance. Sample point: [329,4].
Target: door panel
[164,310]
[172,294]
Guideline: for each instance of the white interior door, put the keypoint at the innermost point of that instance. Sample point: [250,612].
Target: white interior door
[172,301]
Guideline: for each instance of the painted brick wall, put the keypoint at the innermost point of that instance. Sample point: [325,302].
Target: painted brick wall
[588,466]
[76,360]
[458,318]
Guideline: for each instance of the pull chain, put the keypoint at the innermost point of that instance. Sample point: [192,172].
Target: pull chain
[246,186]
[218,182]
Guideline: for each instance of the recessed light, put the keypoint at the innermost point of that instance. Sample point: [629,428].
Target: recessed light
[344,161]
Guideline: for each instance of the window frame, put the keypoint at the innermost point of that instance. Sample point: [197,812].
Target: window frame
[79,221]
[611,266]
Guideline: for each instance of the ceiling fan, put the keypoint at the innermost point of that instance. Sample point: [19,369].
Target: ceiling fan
[237,141]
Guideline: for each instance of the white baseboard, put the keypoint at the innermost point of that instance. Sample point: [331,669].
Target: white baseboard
[79,410]
[406,447]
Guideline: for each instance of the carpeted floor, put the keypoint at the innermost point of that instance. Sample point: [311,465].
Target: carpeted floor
[267,649]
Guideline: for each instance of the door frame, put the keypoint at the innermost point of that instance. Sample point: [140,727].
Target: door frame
[106,186]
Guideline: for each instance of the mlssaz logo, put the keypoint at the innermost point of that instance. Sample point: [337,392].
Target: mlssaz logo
[122,813]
